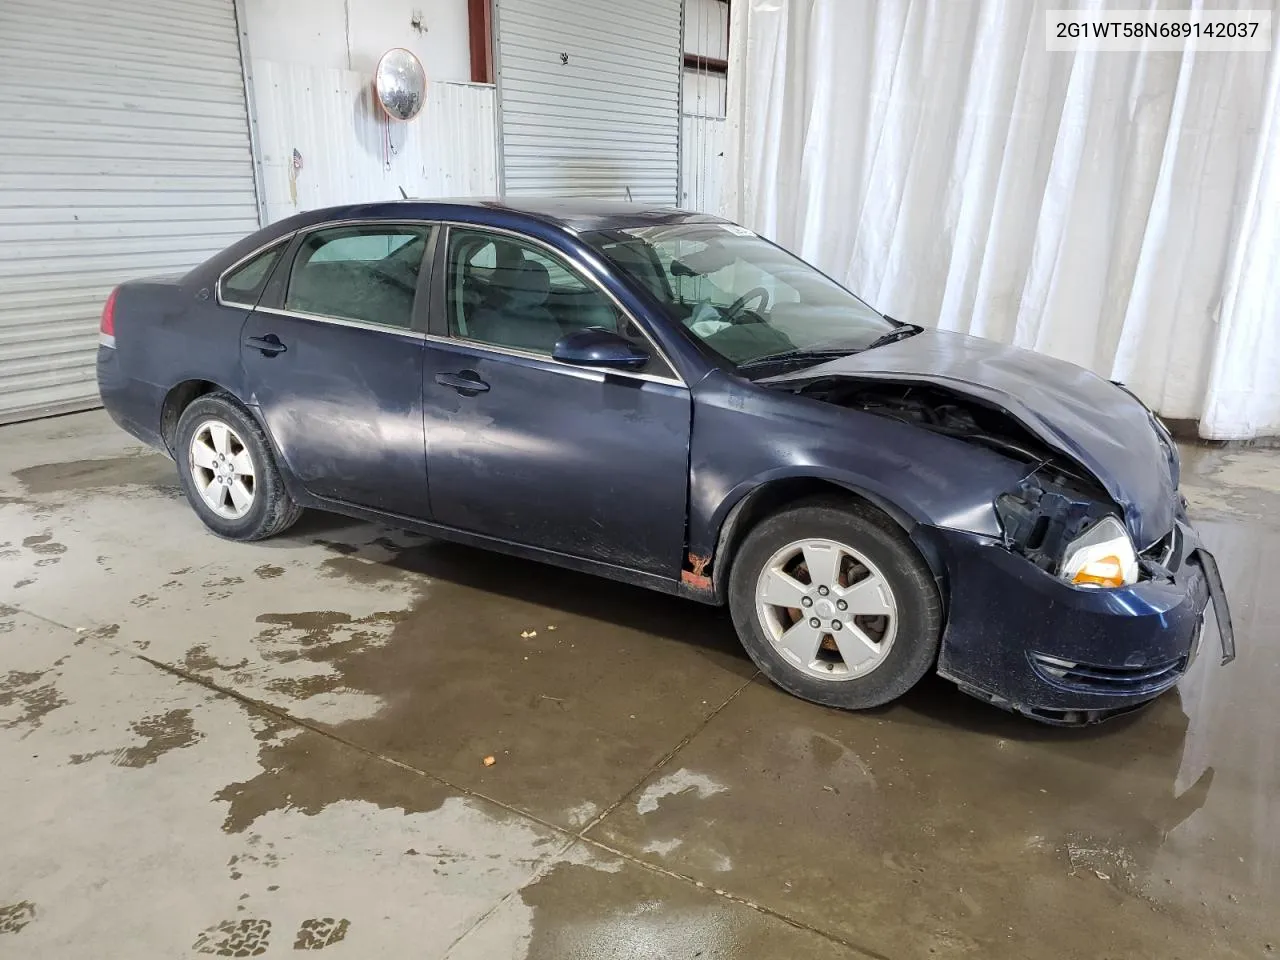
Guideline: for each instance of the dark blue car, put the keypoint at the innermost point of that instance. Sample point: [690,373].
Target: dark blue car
[664,398]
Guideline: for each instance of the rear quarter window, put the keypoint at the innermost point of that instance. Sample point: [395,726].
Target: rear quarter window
[244,284]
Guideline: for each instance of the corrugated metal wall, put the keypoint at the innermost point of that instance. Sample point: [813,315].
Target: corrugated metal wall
[351,154]
[124,151]
[590,98]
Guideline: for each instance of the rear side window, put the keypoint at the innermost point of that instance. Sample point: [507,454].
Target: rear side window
[244,283]
[367,273]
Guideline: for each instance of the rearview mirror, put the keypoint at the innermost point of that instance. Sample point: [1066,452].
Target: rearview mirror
[598,347]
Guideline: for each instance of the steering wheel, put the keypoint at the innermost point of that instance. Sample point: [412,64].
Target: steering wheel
[755,293]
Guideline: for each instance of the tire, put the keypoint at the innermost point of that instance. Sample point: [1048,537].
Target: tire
[872,553]
[269,509]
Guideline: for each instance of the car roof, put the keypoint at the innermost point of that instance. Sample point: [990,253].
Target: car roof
[576,215]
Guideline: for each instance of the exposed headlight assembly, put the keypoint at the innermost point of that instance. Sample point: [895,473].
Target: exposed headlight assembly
[1074,536]
[1102,556]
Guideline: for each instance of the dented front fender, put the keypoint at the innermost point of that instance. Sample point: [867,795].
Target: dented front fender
[746,437]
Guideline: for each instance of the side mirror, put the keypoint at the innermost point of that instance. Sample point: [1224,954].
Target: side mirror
[598,347]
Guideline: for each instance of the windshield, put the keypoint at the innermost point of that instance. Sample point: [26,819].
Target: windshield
[743,297]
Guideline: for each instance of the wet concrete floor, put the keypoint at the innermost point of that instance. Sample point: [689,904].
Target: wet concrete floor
[212,749]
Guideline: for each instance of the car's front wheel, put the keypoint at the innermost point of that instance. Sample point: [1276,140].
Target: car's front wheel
[228,472]
[835,605]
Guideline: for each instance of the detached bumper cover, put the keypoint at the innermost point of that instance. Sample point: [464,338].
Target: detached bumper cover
[1221,611]
[1024,640]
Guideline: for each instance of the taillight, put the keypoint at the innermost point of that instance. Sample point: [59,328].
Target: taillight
[108,328]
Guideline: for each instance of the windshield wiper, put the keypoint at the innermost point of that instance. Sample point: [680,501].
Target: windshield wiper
[894,335]
[900,332]
[787,355]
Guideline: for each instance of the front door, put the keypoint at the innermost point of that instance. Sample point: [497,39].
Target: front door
[581,461]
[335,365]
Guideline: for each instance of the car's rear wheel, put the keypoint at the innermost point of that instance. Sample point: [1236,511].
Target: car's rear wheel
[835,605]
[228,473]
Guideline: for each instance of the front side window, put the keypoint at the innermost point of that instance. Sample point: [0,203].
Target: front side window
[244,284]
[742,296]
[367,273]
[509,293]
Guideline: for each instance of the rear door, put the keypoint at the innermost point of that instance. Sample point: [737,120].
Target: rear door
[587,462]
[333,358]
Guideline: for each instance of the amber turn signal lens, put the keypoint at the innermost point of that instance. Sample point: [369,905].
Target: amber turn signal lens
[1103,572]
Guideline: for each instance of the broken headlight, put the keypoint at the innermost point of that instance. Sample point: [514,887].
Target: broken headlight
[1068,532]
[1102,556]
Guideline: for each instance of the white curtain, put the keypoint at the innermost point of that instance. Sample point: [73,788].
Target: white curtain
[1118,210]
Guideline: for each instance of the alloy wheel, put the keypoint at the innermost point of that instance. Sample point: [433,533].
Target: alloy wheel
[827,609]
[222,469]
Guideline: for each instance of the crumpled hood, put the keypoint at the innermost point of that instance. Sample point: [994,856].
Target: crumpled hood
[1094,422]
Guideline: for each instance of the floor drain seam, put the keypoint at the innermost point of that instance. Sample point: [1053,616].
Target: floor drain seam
[569,835]
[541,870]
[735,898]
[284,715]
[287,717]
[482,918]
[666,758]
[79,631]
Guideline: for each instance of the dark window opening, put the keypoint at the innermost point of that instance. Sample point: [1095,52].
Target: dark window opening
[367,273]
[245,283]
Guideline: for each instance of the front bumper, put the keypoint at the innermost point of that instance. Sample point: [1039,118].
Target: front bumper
[1024,640]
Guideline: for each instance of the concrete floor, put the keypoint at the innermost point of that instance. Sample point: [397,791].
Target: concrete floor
[216,749]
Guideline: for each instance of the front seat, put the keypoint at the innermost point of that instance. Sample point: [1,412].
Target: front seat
[517,315]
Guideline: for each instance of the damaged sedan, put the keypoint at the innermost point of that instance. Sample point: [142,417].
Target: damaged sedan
[667,399]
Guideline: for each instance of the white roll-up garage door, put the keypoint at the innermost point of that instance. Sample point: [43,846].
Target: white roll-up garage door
[124,151]
[590,98]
